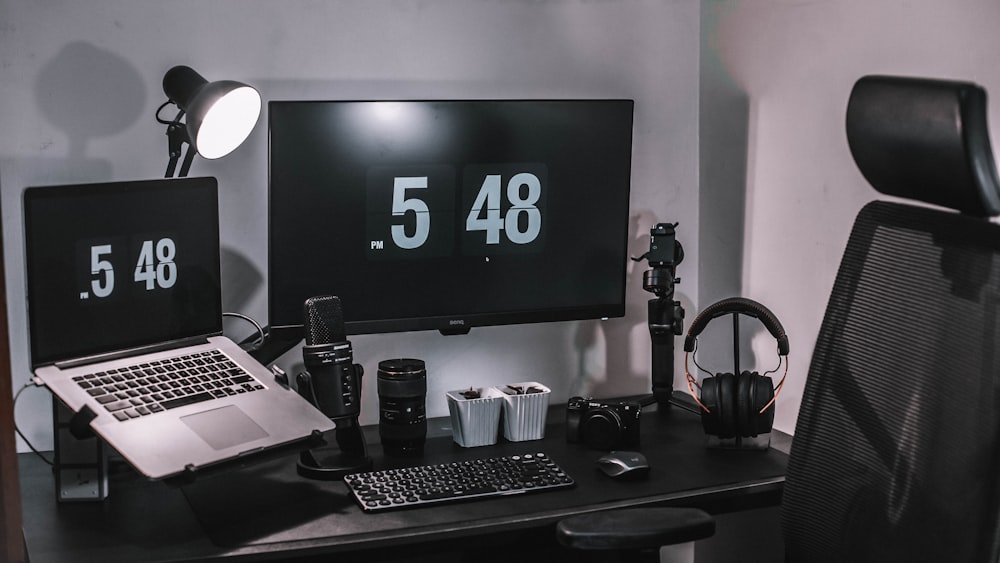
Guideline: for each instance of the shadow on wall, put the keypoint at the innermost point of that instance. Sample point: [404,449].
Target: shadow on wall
[614,357]
[724,129]
[88,92]
[240,282]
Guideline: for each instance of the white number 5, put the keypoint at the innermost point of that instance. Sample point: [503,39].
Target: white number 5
[400,205]
[102,287]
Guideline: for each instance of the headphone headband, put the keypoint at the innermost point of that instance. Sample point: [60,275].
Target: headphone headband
[743,306]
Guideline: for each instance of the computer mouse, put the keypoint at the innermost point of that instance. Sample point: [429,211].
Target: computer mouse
[623,465]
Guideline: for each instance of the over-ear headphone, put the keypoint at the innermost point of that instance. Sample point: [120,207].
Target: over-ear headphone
[736,406]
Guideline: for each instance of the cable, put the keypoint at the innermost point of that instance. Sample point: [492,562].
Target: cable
[779,386]
[694,358]
[260,329]
[777,367]
[31,383]
[176,120]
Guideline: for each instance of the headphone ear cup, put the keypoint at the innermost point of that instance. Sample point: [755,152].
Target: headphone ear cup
[727,400]
[717,396]
[762,391]
[744,404]
[753,393]
[710,398]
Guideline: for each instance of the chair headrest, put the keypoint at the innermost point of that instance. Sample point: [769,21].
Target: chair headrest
[926,140]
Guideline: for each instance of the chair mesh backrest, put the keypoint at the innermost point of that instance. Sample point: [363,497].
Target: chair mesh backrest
[895,455]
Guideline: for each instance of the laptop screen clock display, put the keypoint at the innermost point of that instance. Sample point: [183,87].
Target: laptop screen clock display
[120,265]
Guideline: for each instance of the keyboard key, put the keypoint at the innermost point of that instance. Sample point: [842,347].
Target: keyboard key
[117,406]
[186,400]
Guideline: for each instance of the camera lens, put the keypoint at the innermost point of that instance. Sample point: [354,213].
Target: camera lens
[602,429]
[402,392]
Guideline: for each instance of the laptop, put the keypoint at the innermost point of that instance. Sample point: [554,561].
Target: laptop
[125,324]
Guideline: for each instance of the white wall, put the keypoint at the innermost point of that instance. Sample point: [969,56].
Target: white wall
[787,67]
[80,83]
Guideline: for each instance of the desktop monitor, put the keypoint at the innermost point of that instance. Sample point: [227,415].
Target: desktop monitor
[448,215]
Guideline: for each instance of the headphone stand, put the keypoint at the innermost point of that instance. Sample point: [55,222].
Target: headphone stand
[736,343]
[737,409]
[760,442]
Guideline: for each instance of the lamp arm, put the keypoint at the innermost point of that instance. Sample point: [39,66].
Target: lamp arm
[176,137]
[188,159]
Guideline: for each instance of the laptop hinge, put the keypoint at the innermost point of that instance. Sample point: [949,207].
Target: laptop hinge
[108,356]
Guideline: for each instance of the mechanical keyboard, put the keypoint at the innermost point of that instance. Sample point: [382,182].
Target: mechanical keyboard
[456,481]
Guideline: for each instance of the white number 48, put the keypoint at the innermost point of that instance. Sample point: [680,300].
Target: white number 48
[156,269]
[488,200]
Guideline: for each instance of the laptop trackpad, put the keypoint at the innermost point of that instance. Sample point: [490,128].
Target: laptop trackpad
[224,427]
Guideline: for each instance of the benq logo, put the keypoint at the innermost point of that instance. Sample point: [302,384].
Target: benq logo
[456,322]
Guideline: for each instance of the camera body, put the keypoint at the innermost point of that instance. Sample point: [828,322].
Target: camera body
[663,251]
[603,425]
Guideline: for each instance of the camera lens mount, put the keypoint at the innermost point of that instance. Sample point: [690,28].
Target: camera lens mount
[602,428]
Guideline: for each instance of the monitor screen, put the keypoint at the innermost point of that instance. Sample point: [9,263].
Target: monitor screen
[447,215]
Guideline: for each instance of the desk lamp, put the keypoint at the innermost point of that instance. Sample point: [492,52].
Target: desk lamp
[220,116]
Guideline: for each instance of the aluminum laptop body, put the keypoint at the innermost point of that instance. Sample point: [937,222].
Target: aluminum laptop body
[124,277]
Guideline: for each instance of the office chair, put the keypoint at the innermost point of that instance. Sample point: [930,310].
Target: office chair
[896,453]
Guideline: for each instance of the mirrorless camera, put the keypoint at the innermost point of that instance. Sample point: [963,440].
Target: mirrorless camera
[603,425]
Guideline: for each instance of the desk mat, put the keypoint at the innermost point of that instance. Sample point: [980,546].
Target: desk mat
[263,504]
[271,503]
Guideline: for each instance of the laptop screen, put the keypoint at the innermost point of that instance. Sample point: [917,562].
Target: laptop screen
[120,265]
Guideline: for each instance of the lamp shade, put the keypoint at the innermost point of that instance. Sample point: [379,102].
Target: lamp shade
[220,115]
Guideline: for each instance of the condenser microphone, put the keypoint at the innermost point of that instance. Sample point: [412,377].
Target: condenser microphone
[324,320]
[332,381]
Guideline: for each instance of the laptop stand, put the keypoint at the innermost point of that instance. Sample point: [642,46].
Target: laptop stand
[81,462]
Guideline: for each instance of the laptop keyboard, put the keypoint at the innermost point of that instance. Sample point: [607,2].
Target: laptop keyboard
[147,388]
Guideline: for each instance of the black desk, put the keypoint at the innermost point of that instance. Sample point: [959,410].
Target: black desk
[266,511]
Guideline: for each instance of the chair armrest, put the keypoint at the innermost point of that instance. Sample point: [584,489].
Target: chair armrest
[634,528]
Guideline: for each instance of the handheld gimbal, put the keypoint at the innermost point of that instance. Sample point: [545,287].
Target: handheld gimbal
[666,316]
